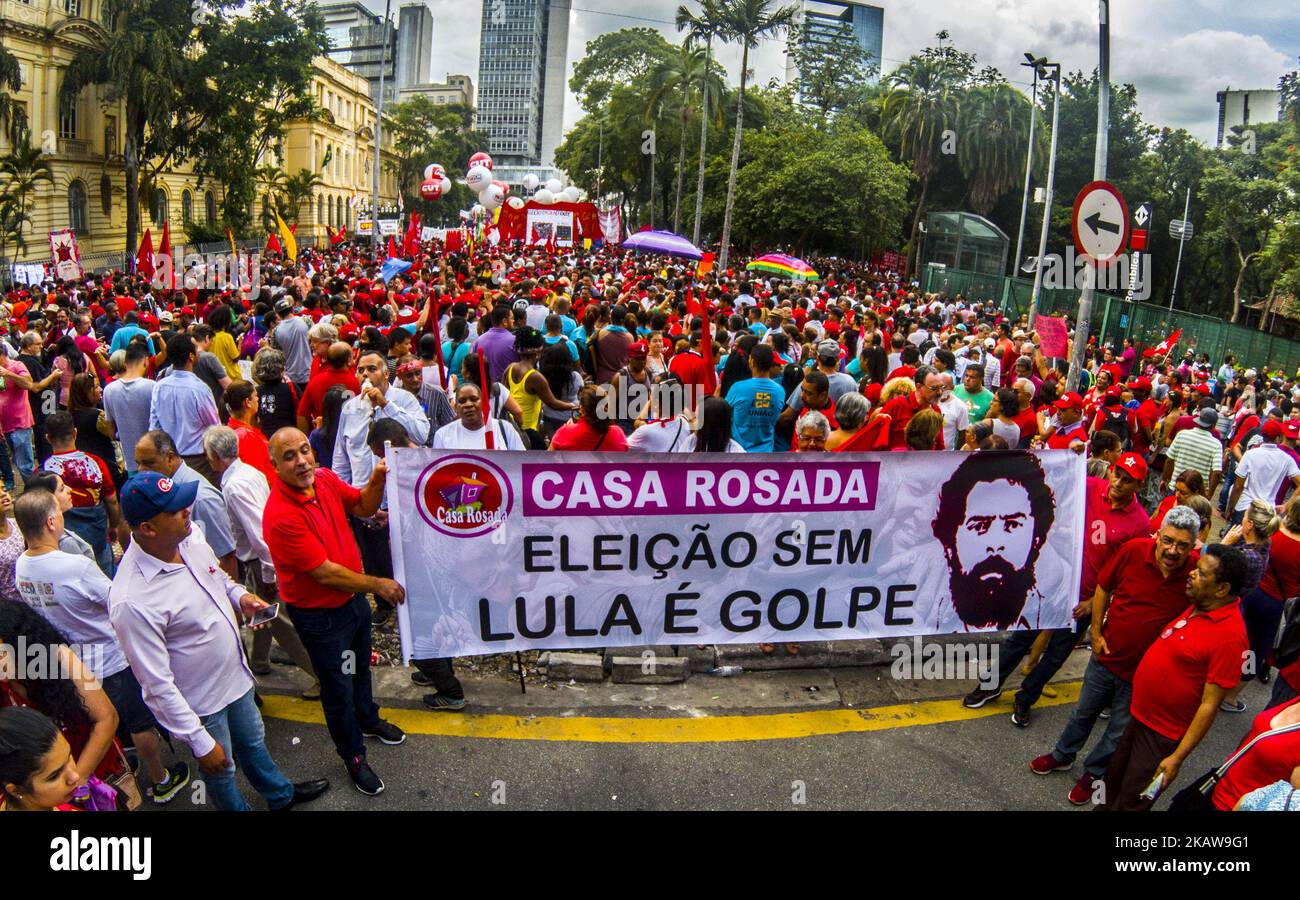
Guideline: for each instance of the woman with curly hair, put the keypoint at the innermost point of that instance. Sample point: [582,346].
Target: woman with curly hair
[277,399]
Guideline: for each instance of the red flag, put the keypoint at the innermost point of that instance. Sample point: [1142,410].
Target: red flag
[411,242]
[692,305]
[706,351]
[165,249]
[144,257]
[1163,348]
[486,391]
[392,247]
[273,244]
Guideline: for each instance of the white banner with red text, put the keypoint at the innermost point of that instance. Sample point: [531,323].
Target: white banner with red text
[502,551]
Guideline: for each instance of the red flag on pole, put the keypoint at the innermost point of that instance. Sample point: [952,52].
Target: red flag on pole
[489,439]
[692,305]
[411,242]
[144,256]
[706,351]
[392,248]
[273,244]
[1163,348]
[165,249]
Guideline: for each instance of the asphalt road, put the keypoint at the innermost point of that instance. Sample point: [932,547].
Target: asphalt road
[978,764]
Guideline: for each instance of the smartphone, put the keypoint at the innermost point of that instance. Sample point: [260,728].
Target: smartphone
[262,616]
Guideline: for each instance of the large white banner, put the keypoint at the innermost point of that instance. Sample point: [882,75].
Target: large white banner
[507,550]
[543,224]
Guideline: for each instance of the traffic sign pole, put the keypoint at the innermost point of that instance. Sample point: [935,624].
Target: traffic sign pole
[1047,199]
[1182,238]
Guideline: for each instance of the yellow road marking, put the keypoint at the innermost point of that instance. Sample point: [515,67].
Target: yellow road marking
[675,730]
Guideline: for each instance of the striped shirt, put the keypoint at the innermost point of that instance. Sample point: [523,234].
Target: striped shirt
[1196,449]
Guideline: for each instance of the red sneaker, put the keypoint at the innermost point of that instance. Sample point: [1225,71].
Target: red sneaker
[1047,764]
[1081,793]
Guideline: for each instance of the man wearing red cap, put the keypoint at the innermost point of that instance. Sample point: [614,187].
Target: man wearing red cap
[1146,415]
[1069,423]
[1263,472]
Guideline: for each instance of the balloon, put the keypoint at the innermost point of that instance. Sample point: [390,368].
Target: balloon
[531,182]
[493,195]
[478,178]
[428,170]
[570,194]
[554,185]
[430,189]
[515,202]
[446,185]
[544,196]
[481,159]
[478,209]
[505,188]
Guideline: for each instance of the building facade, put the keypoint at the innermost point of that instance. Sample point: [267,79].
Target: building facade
[820,20]
[523,67]
[83,144]
[358,37]
[1238,109]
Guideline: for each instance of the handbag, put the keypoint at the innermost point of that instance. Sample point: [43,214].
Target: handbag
[1286,649]
[1197,796]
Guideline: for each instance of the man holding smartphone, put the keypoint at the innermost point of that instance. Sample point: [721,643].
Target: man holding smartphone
[174,611]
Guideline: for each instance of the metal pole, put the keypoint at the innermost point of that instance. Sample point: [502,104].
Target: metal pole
[1029,164]
[379,118]
[600,156]
[1084,317]
[1047,200]
[1182,236]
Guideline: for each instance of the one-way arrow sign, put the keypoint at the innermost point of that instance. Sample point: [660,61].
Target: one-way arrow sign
[1100,222]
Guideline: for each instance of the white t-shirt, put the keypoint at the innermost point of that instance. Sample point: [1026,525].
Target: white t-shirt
[668,436]
[1264,468]
[71,592]
[956,417]
[455,436]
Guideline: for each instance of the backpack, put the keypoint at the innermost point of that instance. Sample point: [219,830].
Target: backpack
[1115,420]
[1286,649]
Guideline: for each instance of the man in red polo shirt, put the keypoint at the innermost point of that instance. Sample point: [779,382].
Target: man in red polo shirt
[1069,423]
[337,370]
[901,409]
[1138,590]
[318,566]
[1190,667]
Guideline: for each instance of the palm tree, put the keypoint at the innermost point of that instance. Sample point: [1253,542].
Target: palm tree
[141,66]
[12,219]
[679,76]
[746,21]
[993,119]
[298,190]
[704,27]
[918,107]
[11,115]
[25,170]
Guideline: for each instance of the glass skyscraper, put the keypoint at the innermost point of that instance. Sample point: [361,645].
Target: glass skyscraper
[822,19]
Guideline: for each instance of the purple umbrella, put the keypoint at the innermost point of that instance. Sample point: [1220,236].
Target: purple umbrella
[663,242]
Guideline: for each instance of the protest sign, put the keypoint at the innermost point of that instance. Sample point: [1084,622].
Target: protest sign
[504,551]
[1053,339]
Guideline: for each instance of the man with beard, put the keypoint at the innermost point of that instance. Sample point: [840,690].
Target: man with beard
[1138,592]
[993,518]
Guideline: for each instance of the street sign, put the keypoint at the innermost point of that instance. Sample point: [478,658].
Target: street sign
[1100,222]
[1180,229]
[1141,230]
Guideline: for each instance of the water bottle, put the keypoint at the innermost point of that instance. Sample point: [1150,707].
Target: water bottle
[726,671]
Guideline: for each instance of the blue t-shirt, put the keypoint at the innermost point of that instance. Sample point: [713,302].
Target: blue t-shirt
[455,359]
[567,326]
[755,403]
[557,338]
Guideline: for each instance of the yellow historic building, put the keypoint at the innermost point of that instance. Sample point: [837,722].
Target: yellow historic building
[83,143]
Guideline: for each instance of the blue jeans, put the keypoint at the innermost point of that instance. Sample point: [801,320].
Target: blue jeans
[1102,689]
[239,730]
[1017,644]
[338,642]
[1229,478]
[19,443]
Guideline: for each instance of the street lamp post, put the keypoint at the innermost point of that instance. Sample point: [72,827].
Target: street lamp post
[1182,237]
[1083,319]
[1051,190]
[379,119]
[1034,64]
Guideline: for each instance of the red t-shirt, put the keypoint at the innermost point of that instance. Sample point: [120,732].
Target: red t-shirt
[1271,760]
[1190,652]
[313,397]
[1146,416]
[692,370]
[1282,574]
[1118,527]
[580,435]
[1142,600]
[85,474]
[1061,440]
[1028,423]
[302,532]
[828,412]
[900,411]
[254,448]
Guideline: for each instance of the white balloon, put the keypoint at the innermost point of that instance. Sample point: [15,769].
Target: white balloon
[492,196]
[446,184]
[570,194]
[531,181]
[478,209]
[515,202]
[544,196]
[554,185]
[477,178]
[428,171]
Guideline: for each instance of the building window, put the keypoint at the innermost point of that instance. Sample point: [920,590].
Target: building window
[106,195]
[110,136]
[68,121]
[159,206]
[339,220]
[320,210]
[72,7]
[209,208]
[105,15]
[329,211]
[187,207]
[77,216]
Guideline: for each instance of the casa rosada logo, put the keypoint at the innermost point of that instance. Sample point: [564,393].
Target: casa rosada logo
[463,496]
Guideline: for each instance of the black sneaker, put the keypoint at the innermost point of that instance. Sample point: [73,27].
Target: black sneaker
[1020,714]
[441,703]
[419,679]
[387,732]
[381,616]
[364,777]
[177,777]
[978,697]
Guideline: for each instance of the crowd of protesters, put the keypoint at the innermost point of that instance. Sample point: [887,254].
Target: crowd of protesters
[132,414]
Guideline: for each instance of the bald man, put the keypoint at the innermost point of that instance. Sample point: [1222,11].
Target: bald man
[337,370]
[318,567]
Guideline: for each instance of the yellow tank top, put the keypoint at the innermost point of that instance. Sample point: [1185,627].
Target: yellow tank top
[529,404]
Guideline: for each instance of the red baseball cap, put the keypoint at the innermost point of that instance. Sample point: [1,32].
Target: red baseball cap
[1292,429]
[1069,401]
[1272,429]
[1141,384]
[1133,465]
[1203,389]
[637,349]
[1113,393]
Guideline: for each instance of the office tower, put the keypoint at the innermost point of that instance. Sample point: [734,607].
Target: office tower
[822,19]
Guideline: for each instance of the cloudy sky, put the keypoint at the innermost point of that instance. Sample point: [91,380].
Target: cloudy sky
[1177,52]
